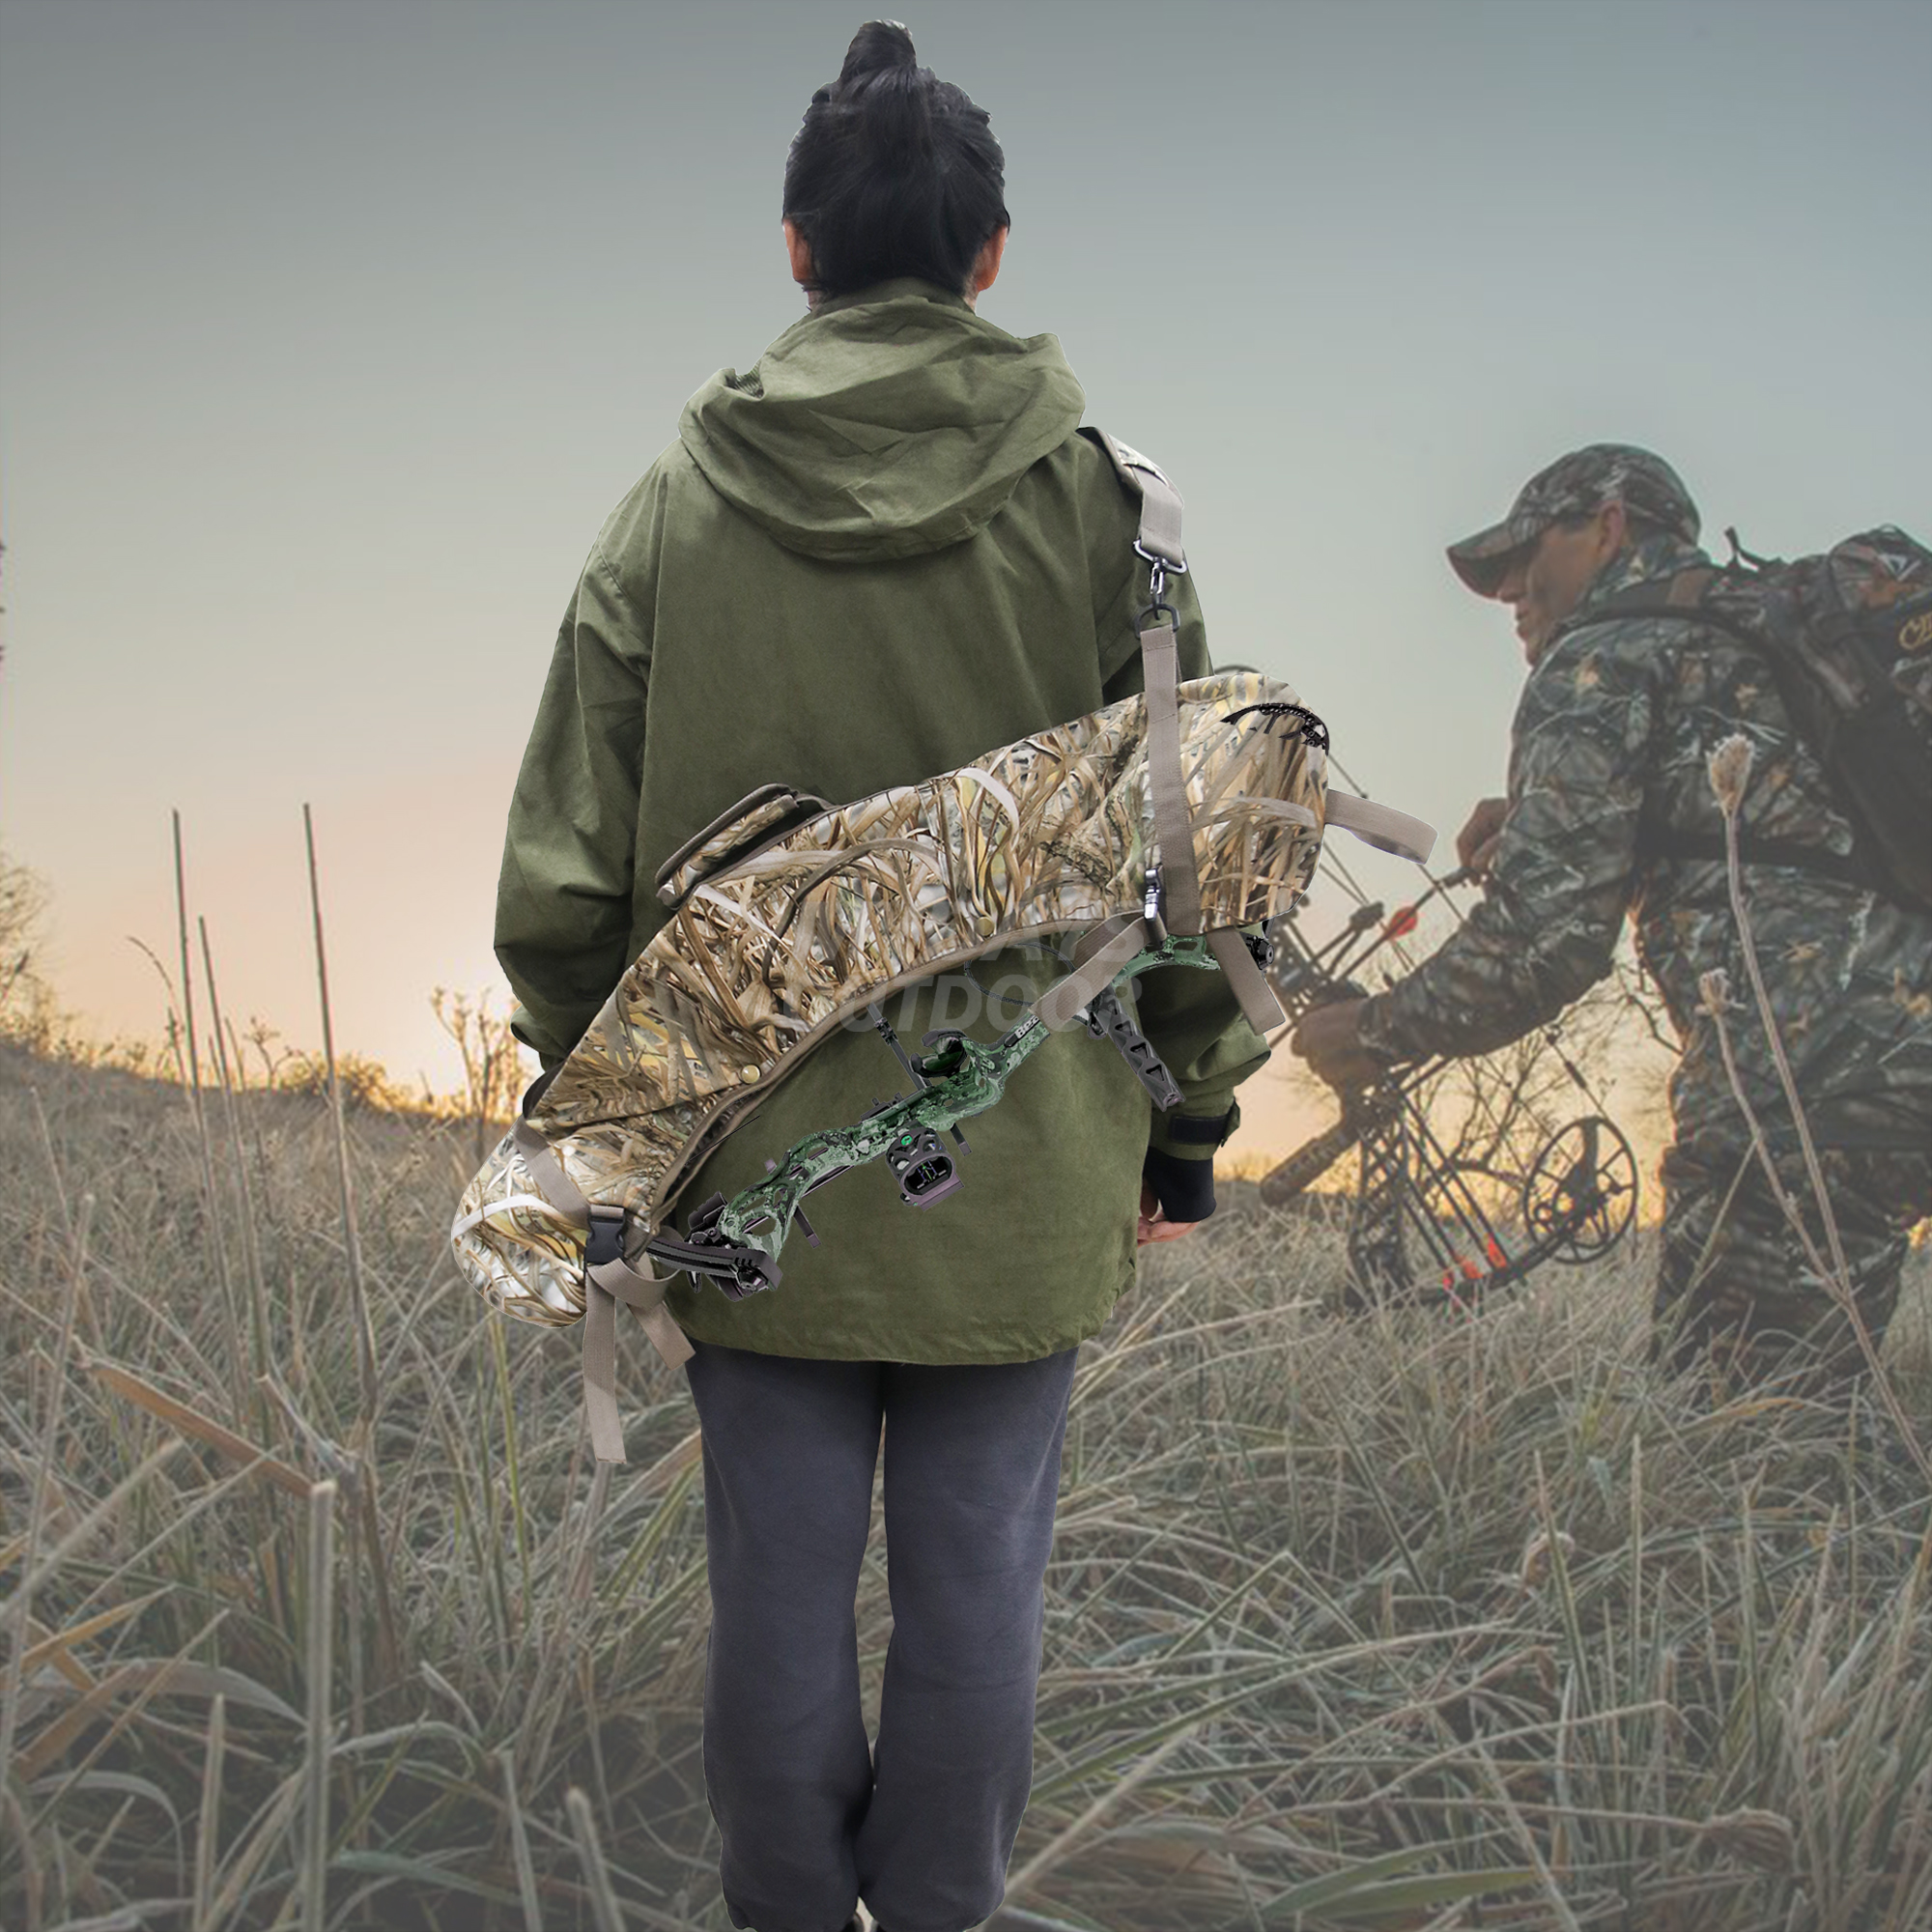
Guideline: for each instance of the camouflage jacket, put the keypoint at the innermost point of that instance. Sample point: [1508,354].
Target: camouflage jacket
[1608,751]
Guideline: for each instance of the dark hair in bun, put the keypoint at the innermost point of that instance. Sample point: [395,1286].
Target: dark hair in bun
[895,172]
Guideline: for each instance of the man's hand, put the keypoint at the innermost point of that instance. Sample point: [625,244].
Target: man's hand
[1476,842]
[1330,1039]
[1154,1225]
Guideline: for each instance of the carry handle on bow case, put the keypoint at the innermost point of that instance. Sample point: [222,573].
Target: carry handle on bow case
[1154,829]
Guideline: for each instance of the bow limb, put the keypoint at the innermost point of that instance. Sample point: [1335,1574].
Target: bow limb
[1314,1157]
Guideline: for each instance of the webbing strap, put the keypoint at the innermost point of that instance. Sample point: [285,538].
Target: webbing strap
[1179,910]
[605,1285]
[1669,841]
[1160,502]
[1173,822]
[1160,511]
[1113,946]
[1250,983]
[547,1170]
[1158,540]
[610,1283]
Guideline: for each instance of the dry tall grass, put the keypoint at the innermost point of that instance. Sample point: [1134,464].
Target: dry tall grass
[1398,1622]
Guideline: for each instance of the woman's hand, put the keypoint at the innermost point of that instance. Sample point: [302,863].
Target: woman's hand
[1154,1225]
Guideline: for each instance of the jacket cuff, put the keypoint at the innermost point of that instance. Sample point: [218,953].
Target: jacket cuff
[1184,1188]
[1193,1136]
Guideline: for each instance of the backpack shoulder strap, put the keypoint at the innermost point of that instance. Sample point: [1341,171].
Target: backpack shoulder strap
[1159,536]
[1178,907]
[1682,596]
[1173,893]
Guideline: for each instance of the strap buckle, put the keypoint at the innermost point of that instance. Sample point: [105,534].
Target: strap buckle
[604,1241]
[1151,906]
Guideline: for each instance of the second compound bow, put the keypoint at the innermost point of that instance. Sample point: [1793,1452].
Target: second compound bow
[1474,1221]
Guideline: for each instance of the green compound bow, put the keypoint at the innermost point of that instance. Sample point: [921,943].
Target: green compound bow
[736,1242]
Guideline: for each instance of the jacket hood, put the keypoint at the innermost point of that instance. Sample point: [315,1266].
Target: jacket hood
[892,422]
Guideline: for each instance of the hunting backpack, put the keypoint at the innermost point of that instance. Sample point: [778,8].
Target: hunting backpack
[1848,638]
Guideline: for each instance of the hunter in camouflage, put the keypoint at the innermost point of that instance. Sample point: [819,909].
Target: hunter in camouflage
[1608,785]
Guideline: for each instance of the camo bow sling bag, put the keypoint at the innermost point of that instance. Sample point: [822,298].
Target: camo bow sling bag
[1149,832]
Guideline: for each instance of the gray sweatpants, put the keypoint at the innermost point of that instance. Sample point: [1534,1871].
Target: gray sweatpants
[920,1826]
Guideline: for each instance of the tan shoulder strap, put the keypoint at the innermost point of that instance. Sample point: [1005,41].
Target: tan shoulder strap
[1158,541]
[1160,502]
[605,1283]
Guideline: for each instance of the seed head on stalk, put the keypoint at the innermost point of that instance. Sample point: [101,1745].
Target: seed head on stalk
[1729,766]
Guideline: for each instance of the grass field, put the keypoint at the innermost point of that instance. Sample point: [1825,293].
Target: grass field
[1401,1621]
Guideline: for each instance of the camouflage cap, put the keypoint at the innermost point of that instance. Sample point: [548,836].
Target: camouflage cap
[1574,486]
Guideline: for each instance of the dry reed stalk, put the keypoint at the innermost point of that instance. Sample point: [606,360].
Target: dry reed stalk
[1561,1915]
[59,1179]
[218,1233]
[367,1519]
[270,1833]
[20,1605]
[513,1465]
[320,1661]
[358,1294]
[32,1580]
[193,1070]
[84,1300]
[252,1257]
[590,1853]
[190,1421]
[147,1678]
[520,1843]
[1062,1846]
[352,1591]
[34,1878]
[578,1567]
[208,1816]
[57,1647]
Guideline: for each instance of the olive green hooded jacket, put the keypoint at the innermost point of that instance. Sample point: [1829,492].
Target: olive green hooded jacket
[876,556]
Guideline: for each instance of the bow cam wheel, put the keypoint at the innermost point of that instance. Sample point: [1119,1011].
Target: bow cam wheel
[1579,1194]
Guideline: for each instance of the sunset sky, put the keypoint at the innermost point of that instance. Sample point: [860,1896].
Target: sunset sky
[330,332]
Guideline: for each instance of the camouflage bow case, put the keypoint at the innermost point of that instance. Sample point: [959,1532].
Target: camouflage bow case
[782,929]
